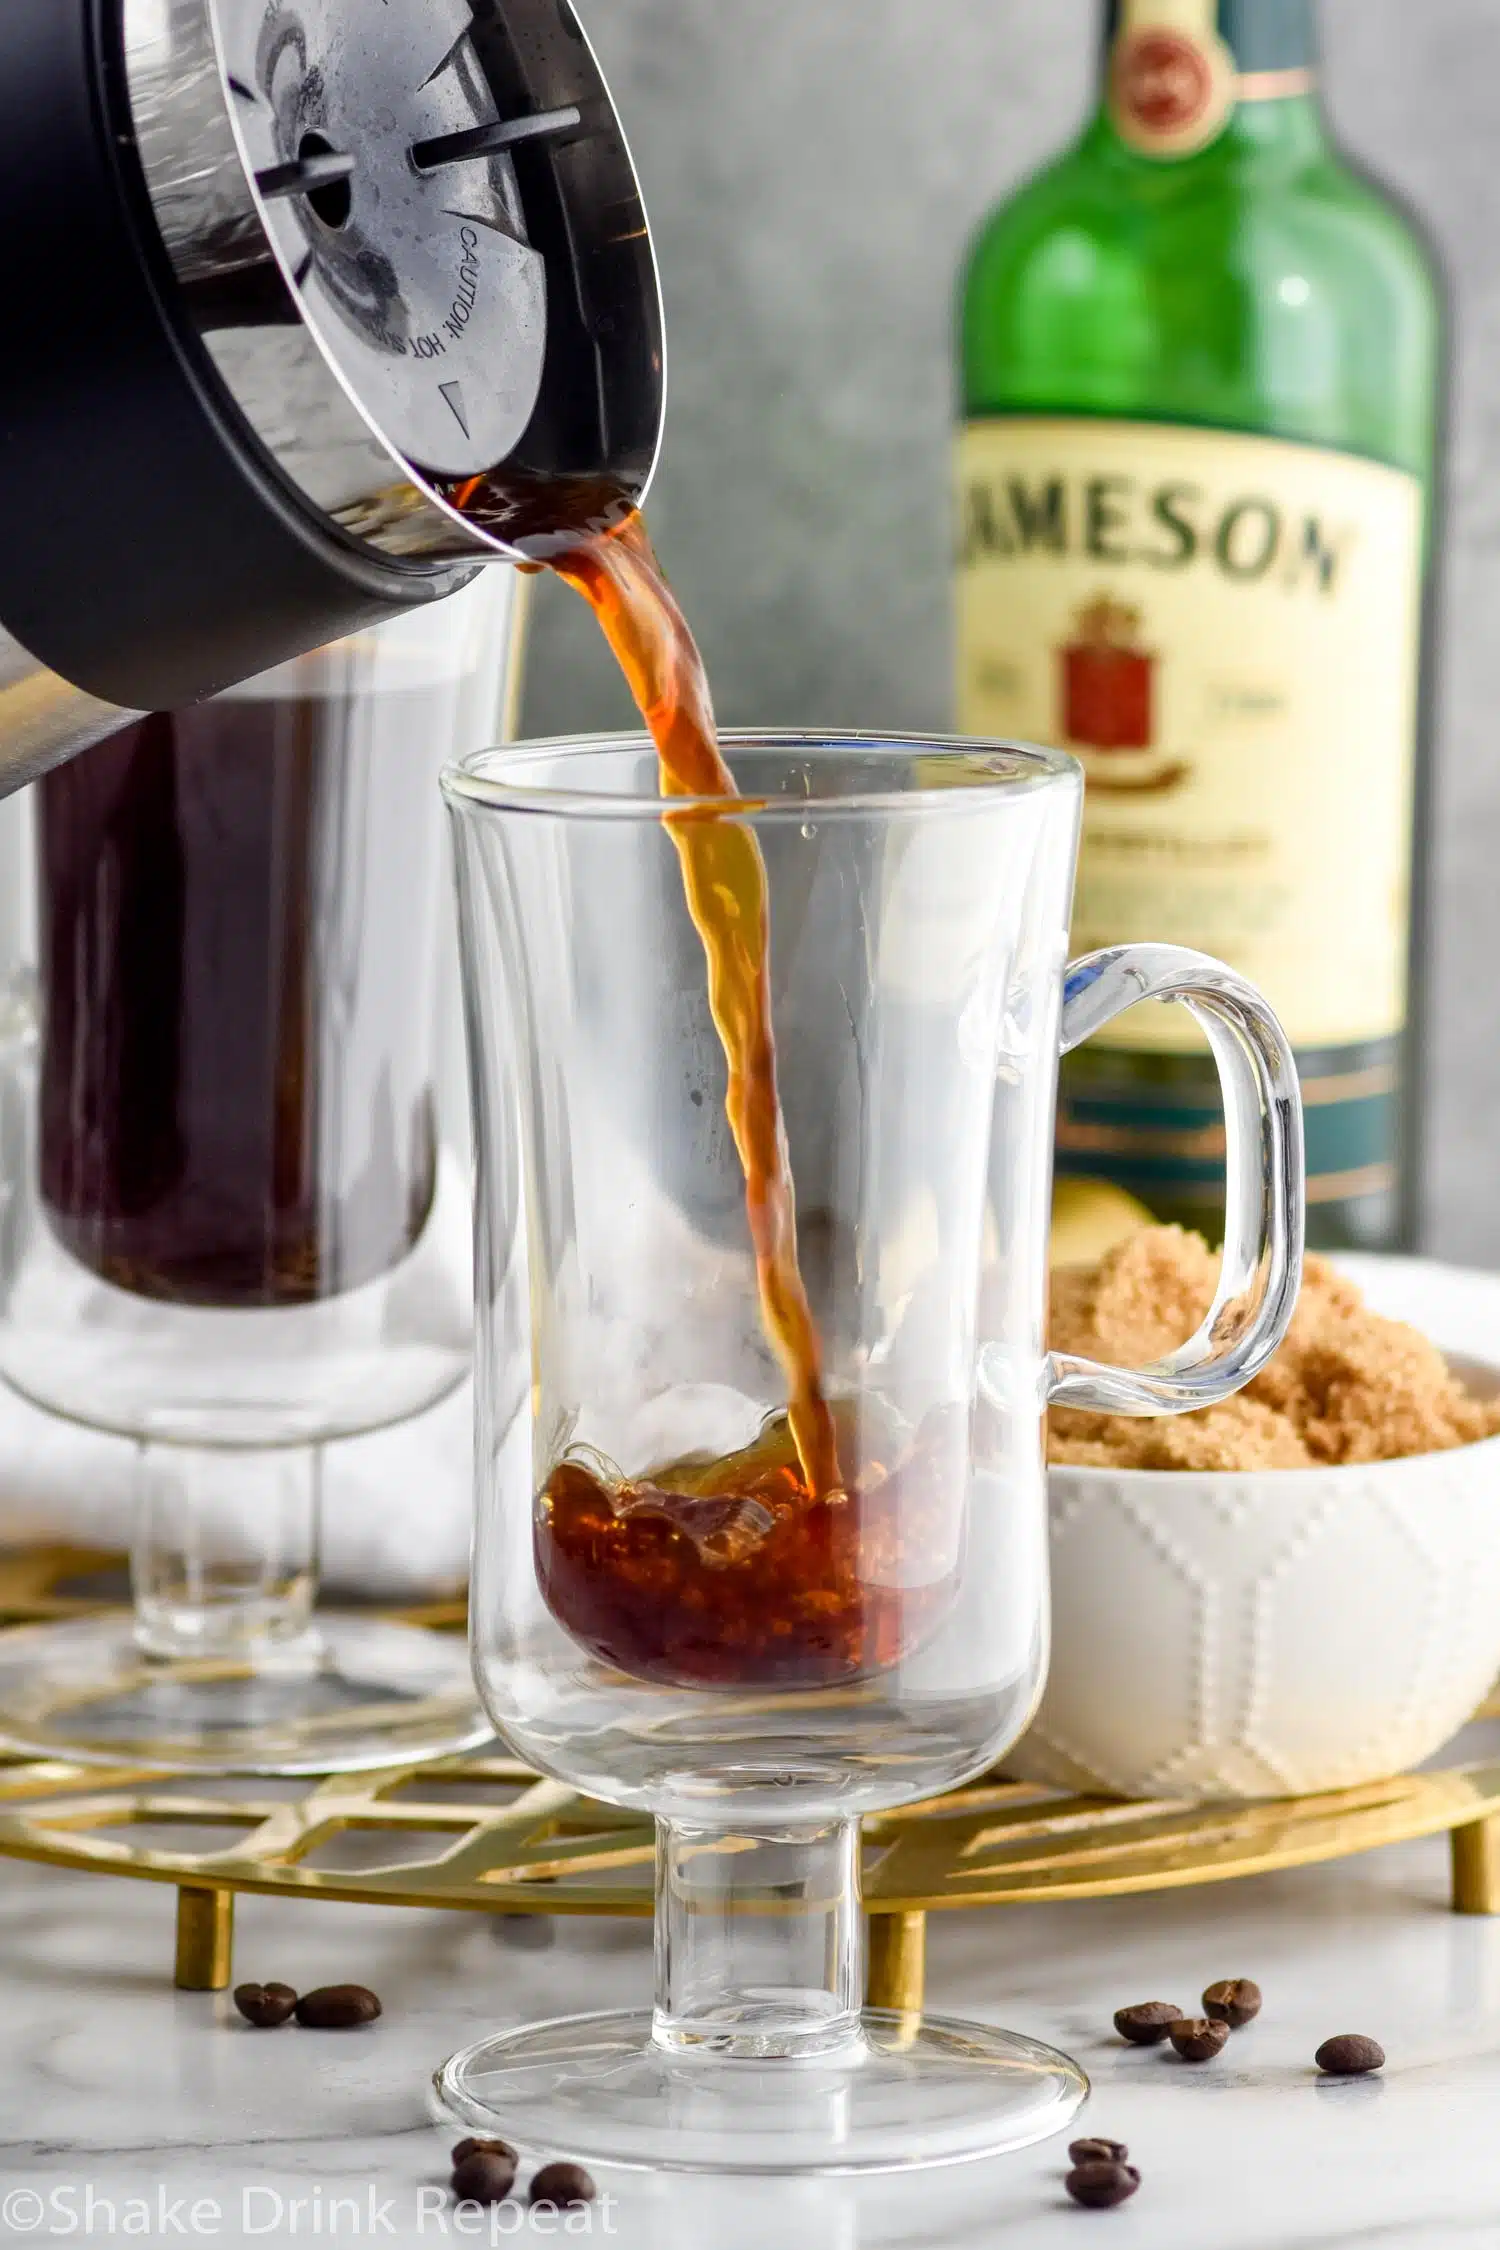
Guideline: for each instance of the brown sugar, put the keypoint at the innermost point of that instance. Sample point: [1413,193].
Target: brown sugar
[1346,1386]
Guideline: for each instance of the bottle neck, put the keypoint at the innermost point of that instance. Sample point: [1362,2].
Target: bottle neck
[1186,76]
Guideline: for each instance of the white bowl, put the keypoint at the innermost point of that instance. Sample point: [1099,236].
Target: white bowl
[1267,1634]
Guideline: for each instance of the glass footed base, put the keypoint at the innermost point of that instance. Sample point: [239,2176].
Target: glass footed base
[909,2091]
[356,1693]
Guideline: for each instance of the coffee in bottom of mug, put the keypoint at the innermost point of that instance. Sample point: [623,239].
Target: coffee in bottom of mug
[732,1572]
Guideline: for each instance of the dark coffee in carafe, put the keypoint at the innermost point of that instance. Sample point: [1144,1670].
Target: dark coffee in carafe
[239,907]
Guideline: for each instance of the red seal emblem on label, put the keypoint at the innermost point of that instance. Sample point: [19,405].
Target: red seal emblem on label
[1111,695]
[1109,680]
[1171,94]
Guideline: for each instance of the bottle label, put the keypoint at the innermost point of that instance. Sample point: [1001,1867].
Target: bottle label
[1172,78]
[1225,630]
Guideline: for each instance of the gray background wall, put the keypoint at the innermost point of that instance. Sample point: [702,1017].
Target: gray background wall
[812,169]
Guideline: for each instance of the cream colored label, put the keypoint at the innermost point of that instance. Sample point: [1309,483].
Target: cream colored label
[1172,79]
[1225,631]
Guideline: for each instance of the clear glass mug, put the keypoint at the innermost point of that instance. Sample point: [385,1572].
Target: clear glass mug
[234,1222]
[657,1618]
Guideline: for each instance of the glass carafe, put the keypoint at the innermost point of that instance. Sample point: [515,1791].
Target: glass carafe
[237,1226]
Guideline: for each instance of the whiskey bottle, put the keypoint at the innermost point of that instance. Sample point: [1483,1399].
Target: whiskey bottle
[1201,367]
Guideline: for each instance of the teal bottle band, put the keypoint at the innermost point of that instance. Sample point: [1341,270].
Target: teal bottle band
[1168,1140]
[1264,35]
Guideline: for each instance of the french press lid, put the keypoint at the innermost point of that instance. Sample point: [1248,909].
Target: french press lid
[314,303]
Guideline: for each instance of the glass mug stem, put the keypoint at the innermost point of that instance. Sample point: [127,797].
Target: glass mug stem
[225,1558]
[759,1940]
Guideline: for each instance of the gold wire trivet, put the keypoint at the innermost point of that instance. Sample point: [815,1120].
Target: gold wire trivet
[485,1833]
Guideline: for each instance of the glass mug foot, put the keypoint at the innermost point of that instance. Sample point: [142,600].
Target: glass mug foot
[226,1664]
[353,1694]
[900,2091]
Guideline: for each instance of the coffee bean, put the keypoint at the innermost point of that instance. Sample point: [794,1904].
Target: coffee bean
[1198,2039]
[472,2147]
[1145,2025]
[1236,2002]
[563,2184]
[337,2007]
[1097,2152]
[1351,2055]
[484,2176]
[1099,2187]
[265,2005]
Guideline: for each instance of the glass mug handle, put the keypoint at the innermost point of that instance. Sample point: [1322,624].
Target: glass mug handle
[1265,1202]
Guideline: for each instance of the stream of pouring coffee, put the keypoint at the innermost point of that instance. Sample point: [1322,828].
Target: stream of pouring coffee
[618,575]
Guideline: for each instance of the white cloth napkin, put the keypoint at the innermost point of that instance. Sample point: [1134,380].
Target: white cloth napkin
[396,1506]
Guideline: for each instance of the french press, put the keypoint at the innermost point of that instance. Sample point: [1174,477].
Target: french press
[301,294]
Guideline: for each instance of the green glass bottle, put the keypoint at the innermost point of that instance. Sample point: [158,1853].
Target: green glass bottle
[1202,359]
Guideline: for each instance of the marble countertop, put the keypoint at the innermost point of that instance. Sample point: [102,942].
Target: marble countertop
[186,2125]
[113,2083]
